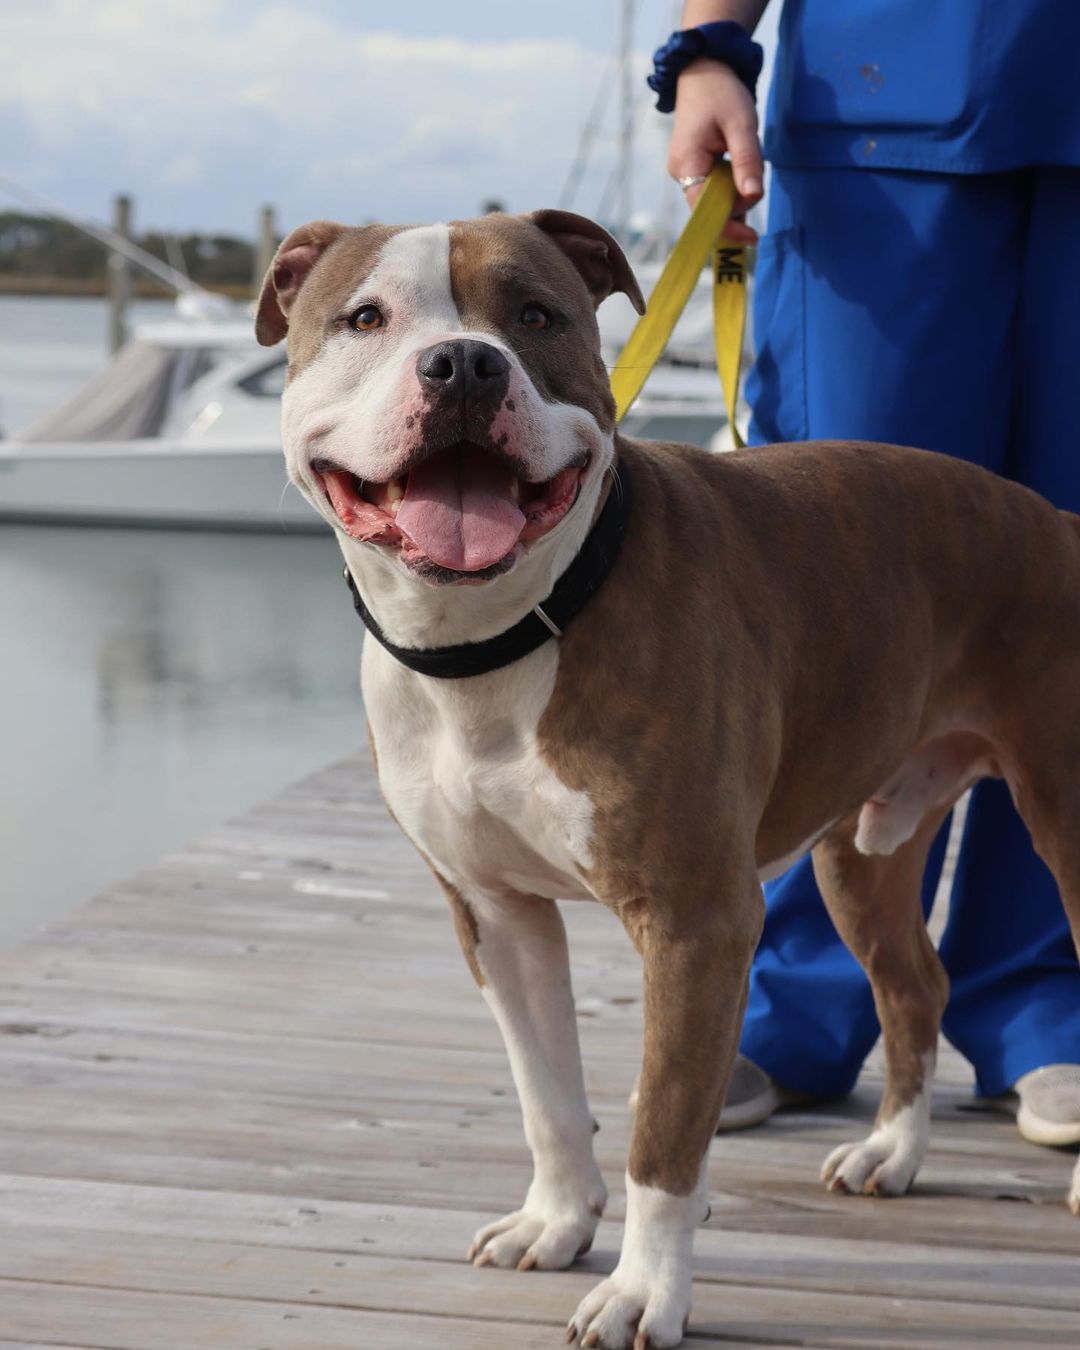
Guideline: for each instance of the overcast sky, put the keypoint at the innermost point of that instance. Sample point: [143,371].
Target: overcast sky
[347,109]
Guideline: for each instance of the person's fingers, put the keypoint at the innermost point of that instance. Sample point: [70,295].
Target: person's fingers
[694,152]
[695,159]
[738,232]
[736,229]
[692,160]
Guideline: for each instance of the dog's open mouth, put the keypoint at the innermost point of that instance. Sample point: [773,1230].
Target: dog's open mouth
[462,511]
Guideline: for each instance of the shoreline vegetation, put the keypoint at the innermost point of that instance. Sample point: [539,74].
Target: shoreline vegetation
[43,256]
[95,288]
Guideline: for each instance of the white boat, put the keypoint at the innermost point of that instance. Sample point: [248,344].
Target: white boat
[144,441]
[181,428]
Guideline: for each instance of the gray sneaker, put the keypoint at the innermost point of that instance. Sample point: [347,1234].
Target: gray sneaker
[1046,1104]
[753,1096]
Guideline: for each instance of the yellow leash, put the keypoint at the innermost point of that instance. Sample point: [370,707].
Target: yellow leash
[699,240]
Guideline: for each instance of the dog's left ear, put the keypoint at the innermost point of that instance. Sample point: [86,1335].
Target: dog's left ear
[599,260]
[296,256]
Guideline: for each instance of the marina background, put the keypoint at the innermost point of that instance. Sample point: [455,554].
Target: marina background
[155,681]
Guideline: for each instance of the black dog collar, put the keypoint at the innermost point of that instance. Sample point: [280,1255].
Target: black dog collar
[571,593]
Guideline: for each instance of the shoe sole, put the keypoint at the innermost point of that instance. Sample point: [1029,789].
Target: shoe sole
[751,1112]
[1052,1133]
[764,1105]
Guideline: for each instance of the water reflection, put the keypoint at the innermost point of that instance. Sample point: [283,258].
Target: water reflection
[251,622]
[153,682]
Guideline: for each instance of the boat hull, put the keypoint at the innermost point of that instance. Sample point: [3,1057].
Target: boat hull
[149,484]
[223,485]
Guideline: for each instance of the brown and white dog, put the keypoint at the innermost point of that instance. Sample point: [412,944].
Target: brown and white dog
[798,647]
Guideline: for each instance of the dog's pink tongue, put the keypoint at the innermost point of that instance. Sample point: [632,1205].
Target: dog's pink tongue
[459,511]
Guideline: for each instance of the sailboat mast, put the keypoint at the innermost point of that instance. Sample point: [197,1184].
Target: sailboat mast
[624,183]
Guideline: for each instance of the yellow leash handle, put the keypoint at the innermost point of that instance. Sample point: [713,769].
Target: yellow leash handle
[699,241]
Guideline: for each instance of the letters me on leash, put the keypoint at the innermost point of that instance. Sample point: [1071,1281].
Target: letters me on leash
[698,244]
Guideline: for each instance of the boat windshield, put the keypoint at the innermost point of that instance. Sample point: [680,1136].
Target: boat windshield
[128,399]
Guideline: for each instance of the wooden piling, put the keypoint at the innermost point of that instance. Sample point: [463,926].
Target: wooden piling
[119,277]
[266,241]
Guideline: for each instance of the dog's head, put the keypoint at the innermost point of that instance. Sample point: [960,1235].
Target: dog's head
[446,400]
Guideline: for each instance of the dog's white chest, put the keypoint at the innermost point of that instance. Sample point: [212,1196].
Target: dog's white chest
[461,770]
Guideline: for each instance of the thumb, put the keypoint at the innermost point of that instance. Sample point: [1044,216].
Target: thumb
[747,167]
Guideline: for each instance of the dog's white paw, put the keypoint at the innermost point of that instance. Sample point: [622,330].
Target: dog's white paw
[885,1163]
[531,1240]
[869,1168]
[645,1302]
[624,1313]
[1074,1190]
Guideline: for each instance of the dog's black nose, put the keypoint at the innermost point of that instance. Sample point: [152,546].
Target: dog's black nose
[466,368]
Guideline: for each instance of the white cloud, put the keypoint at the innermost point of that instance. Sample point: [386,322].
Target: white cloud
[203,109]
[180,170]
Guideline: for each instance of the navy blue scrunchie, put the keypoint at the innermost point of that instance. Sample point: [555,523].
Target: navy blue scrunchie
[722,41]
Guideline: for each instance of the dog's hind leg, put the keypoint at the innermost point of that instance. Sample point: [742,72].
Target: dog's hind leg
[516,950]
[874,901]
[1049,804]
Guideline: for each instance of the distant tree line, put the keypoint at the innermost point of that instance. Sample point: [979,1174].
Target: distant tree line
[40,253]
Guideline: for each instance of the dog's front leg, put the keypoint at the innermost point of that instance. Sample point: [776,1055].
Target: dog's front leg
[696,968]
[516,949]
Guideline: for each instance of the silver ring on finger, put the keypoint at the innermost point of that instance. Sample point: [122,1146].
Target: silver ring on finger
[692,180]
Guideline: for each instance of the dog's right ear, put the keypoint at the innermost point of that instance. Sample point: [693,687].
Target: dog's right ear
[296,256]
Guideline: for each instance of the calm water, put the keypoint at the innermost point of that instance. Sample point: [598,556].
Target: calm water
[152,682]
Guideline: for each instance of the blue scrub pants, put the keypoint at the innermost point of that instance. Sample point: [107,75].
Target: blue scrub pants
[939,311]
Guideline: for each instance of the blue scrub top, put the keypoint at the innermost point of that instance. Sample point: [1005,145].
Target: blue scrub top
[949,86]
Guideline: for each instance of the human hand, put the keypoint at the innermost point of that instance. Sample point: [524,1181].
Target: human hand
[714,112]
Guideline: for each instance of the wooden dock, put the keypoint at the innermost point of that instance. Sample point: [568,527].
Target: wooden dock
[251,1100]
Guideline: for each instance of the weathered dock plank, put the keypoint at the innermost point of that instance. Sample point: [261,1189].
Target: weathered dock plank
[251,1098]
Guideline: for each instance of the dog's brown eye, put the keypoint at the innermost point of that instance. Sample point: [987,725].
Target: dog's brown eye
[535,316]
[366,318]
